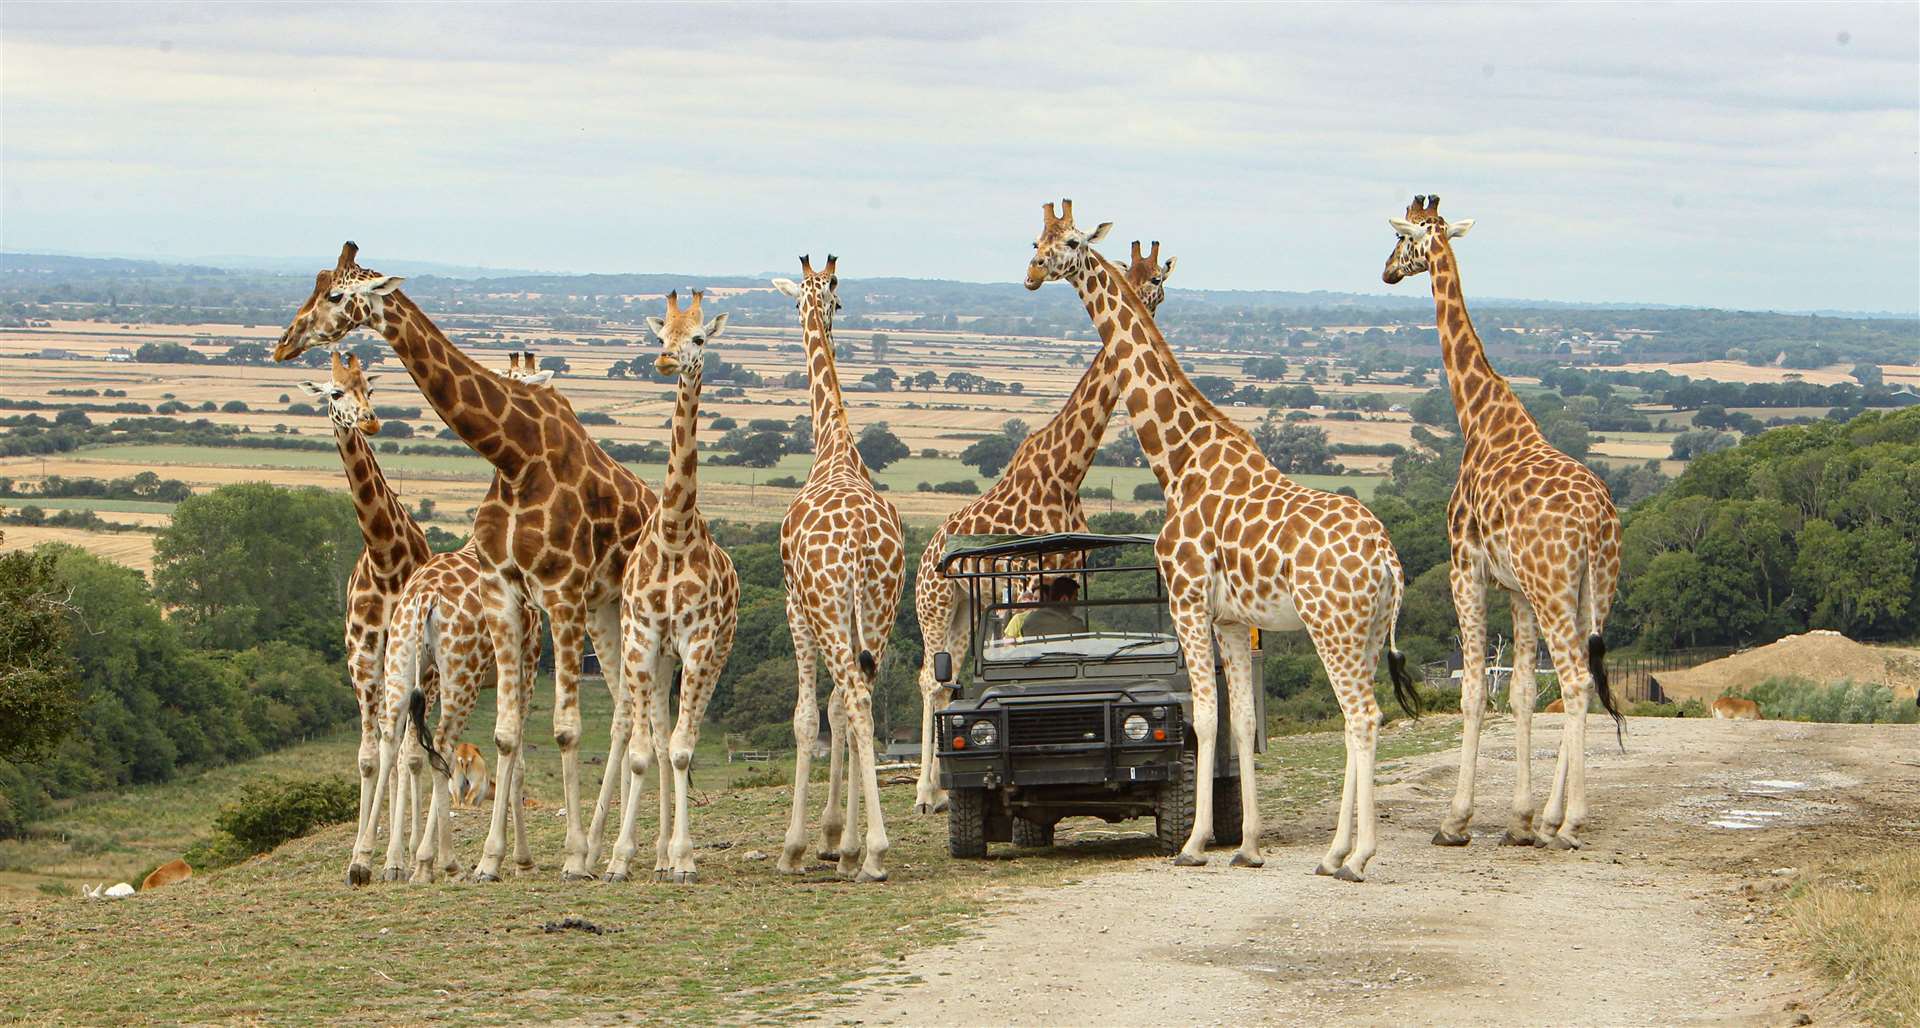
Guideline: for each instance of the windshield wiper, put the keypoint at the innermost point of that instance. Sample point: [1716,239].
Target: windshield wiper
[1038,657]
[1138,643]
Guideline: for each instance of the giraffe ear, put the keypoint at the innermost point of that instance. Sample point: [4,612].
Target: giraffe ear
[1459,228]
[538,378]
[384,284]
[1099,233]
[315,389]
[658,325]
[1407,229]
[787,286]
[1167,272]
[713,327]
[370,379]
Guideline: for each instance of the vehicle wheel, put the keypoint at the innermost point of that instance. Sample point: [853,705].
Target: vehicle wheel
[1173,808]
[967,823]
[1227,811]
[1032,834]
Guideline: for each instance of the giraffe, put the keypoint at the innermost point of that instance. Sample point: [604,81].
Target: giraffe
[394,547]
[1535,522]
[440,624]
[1243,547]
[844,555]
[680,601]
[555,528]
[1039,492]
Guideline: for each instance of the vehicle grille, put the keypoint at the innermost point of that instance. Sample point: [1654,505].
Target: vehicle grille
[1056,726]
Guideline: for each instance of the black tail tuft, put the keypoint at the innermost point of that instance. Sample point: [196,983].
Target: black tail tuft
[867,665]
[1403,688]
[1597,663]
[417,711]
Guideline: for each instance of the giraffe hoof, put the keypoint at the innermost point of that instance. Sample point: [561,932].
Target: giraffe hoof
[1244,860]
[685,877]
[616,876]
[576,876]
[392,874]
[1513,838]
[661,874]
[1347,874]
[1563,842]
[1321,869]
[1445,838]
[359,874]
[870,876]
[830,856]
[524,865]
[483,876]
[1185,859]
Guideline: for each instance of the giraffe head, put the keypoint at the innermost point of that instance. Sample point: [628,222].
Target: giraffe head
[520,371]
[820,288]
[1148,276]
[343,299]
[349,395]
[684,337]
[1062,250]
[1422,232]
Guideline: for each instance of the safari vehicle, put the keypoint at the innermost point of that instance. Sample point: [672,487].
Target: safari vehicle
[1075,702]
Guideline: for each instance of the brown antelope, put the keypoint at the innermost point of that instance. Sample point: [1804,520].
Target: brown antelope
[471,787]
[175,870]
[1732,708]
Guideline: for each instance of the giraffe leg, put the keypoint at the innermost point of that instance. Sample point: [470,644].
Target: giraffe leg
[507,630]
[1236,652]
[864,765]
[806,729]
[360,870]
[569,635]
[1468,579]
[366,672]
[640,657]
[838,815]
[406,807]
[1566,808]
[456,691]
[1521,690]
[949,631]
[529,670]
[1194,623]
[603,627]
[1363,727]
[700,669]
[659,725]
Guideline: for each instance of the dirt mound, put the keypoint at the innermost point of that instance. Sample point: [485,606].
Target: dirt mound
[1820,655]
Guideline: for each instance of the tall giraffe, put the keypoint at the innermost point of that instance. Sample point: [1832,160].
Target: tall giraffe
[1243,546]
[681,602]
[1039,492]
[844,555]
[1535,521]
[555,527]
[394,547]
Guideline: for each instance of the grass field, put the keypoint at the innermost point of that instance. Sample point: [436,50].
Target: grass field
[281,938]
[88,503]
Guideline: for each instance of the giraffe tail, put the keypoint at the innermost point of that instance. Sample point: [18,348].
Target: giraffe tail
[416,696]
[1403,687]
[1597,659]
[868,666]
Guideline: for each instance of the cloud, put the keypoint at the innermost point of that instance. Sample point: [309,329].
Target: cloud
[1705,154]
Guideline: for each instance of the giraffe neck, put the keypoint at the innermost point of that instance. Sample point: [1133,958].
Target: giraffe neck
[1481,398]
[391,536]
[1172,419]
[1062,450]
[832,435]
[468,397]
[680,524]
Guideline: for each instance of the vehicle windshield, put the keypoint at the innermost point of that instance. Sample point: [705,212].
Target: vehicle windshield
[1106,607]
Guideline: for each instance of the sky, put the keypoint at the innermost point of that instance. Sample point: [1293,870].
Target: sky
[1749,156]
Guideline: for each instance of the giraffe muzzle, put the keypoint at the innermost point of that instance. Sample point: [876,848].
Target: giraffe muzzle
[667,366]
[1036,276]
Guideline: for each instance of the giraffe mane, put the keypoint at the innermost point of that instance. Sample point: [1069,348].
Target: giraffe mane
[1206,405]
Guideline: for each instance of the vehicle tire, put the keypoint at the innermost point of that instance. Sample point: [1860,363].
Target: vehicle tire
[967,823]
[1228,811]
[1032,834]
[1173,808]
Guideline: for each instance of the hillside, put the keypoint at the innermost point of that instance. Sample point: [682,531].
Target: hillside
[1821,656]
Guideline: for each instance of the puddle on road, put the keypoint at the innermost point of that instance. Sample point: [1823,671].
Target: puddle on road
[1753,817]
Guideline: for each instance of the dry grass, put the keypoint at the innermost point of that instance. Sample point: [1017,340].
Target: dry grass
[133,549]
[1861,928]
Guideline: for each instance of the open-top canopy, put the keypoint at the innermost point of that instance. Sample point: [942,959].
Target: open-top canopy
[987,547]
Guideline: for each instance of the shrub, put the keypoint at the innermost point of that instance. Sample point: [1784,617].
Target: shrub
[1149,491]
[784,482]
[274,811]
[964,487]
[234,407]
[1098,492]
[1790,698]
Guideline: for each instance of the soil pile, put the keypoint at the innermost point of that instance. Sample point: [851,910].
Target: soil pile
[1822,656]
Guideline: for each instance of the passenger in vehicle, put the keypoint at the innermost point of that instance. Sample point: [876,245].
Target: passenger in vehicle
[1055,616]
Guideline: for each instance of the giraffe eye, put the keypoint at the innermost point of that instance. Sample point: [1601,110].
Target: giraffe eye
[1073,244]
[336,296]
[699,340]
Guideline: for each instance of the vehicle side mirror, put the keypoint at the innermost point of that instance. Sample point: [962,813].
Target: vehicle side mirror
[943,667]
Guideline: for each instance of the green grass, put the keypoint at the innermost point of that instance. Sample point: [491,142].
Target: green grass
[88,503]
[281,938]
[901,476]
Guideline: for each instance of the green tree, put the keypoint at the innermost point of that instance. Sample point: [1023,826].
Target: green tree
[254,562]
[761,449]
[879,447]
[989,454]
[1294,449]
[39,684]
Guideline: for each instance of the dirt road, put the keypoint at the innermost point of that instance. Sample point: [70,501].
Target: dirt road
[1662,919]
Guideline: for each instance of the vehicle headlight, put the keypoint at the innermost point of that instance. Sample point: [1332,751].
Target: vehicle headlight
[1136,727]
[1159,713]
[983,735]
